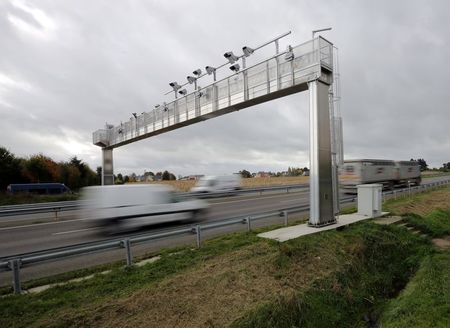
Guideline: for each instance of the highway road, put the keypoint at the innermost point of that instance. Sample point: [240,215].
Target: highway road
[41,236]
[23,238]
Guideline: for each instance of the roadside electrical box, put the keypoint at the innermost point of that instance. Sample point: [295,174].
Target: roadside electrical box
[369,200]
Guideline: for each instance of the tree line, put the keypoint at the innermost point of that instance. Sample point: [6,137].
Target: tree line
[74,173]
[147,176]
[424,166]
[291,172]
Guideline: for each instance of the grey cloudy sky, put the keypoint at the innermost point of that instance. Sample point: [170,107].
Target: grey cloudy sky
[67,67]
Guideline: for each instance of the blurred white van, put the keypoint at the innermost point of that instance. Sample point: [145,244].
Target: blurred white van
[126,207]
[218,183]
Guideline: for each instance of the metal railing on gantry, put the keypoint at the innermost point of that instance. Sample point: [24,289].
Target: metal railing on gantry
[269,79]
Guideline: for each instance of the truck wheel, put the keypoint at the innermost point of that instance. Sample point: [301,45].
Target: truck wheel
[391,185]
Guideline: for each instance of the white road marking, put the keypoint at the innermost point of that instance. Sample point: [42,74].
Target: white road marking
[39,224]
[289,201]
[73,231]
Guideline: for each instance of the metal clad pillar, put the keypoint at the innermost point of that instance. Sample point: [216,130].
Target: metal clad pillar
[321,187]
[107,170]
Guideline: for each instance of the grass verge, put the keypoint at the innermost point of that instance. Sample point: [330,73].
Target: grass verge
[425,302]
[429,212]
[421,203]
[349,272]
[353,295]
[54,305]
[436,224]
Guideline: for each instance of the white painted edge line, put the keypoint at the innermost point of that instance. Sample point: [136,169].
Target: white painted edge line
[73,231]
[39,224]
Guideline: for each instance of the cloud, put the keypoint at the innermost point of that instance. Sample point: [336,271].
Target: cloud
[67,68]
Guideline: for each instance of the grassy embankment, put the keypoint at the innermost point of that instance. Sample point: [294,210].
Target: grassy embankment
[425,302]
[341,278]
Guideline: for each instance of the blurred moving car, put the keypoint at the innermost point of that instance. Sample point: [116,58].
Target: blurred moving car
[126,207]
[218,183]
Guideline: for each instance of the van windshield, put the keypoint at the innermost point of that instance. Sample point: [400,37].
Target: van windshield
[206,183]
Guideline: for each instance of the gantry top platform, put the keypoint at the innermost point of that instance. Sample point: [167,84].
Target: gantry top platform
[273,78]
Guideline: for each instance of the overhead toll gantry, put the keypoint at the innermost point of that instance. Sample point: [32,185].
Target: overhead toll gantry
[307,66]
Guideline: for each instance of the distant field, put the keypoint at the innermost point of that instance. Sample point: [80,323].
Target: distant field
[429,174]
[246,183]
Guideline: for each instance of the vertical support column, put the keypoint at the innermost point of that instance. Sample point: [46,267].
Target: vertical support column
[107,171]
[321,189]
[246,91]
[215,98]
[197,105]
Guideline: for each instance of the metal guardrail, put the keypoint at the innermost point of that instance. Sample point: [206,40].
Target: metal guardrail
[56,207]
[413,189]
[16,262]
[53,207]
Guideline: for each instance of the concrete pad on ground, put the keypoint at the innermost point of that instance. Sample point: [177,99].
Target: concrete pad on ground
[293,232]
[388,220]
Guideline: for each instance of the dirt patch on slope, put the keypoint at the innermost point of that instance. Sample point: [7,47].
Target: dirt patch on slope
[213,294]
[442,243]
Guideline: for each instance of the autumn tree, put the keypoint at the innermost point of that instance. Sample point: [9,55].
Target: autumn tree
[87,176]
[40,168]
[10,168]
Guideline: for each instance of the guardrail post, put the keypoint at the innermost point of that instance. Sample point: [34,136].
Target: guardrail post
[56,214]
[286,217]
[248,219]
[198,232]
[15,267]
[126,243]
